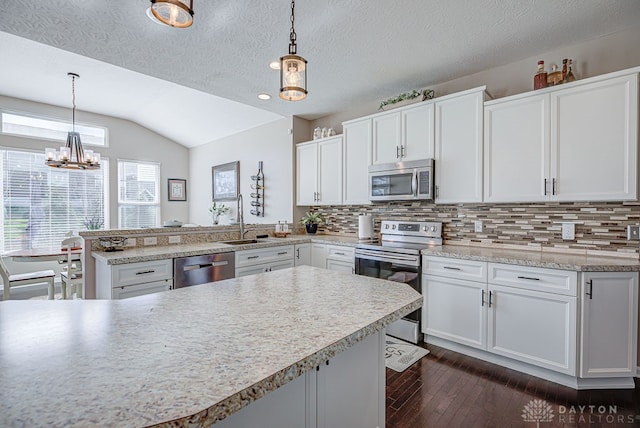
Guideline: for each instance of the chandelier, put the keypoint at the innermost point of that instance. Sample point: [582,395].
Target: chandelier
[293,68]
[72,156]
[175,13]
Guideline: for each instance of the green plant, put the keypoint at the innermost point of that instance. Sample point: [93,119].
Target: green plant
[427,94]
[312,218]
[218,209]
[94,222]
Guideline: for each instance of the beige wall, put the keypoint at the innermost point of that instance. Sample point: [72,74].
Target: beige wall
[270,143]
[594,57]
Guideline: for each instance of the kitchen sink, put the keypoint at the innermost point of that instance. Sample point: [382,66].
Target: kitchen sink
[240,242]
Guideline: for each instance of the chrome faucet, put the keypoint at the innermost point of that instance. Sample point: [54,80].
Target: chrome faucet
[240,216]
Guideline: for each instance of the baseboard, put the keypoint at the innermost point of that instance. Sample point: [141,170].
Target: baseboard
[550,375]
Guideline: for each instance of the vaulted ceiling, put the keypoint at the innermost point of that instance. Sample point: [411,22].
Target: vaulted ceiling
[199,84]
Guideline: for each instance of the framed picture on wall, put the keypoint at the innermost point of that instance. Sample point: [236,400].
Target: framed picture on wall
[177,189]
[225,181]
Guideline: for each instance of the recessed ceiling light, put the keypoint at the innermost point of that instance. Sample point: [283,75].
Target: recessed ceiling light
[274,65]
[264,96]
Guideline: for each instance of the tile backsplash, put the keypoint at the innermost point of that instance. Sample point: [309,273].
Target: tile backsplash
[600,227]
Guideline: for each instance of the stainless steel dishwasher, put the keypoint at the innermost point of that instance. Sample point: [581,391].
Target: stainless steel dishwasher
[194,270]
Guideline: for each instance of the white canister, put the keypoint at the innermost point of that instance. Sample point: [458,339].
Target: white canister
[365,227]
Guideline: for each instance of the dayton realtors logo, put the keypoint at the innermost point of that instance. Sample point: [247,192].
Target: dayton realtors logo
[539,411]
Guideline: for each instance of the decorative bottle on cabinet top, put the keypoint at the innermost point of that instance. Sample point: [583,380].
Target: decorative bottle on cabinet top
[555,77]
[540,78]
[570,77]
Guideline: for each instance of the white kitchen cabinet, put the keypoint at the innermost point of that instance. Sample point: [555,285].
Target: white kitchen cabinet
[573,143]
[404,134]
[302,254]
[357,158]
[319,172]
[516,149]
[251,262]
[132,279]
[340,258]
[608,333]
[458,147]
[594,140]
[318,255]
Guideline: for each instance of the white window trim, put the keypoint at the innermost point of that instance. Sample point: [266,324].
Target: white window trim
[136,203]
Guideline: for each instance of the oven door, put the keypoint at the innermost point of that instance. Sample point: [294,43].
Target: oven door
[399,268]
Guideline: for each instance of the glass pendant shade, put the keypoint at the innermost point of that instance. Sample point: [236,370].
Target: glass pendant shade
[176,13]
[293,78]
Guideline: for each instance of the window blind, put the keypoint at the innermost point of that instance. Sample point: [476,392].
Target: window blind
[138,194]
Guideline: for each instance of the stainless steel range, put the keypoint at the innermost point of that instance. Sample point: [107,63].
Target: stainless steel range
[397,258]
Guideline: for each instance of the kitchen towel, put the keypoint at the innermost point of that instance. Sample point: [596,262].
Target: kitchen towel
[365,227]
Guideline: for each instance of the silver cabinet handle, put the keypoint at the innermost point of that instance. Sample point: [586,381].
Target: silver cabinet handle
[530,278]
[482,299]
[282,253]
[590,293]
[437,191]
[144,272]
[340,254]
[545,187]
[298,253]
[490,297]
[450,268]
[402,151]
[253,257]
[397,152]
[553,186]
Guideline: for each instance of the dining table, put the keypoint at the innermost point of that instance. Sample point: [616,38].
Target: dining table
[40,254]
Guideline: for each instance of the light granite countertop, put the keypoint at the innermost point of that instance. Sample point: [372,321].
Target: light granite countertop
[150,253]
[182,357]
[543,259]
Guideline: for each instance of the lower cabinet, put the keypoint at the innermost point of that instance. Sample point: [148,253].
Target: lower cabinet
[319,255]
[251,262]
[608,327]
[133,279]
[333,257]
[346,391]
[302,254]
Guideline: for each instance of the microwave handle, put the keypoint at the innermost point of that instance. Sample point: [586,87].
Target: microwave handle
[414,183]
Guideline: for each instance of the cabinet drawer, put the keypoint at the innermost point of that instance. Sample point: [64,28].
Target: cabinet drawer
[263,255]
[263,267]
[128,291]
[338,252]
[537,279]
[455,268]
[141,273]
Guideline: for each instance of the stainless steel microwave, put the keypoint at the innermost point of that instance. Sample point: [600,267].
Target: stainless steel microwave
[400,181]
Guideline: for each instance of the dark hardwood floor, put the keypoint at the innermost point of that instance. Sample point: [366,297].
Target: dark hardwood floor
[448,389]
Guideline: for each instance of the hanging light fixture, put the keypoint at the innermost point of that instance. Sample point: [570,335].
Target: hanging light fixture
[176,13]
[72,156]
[293,69]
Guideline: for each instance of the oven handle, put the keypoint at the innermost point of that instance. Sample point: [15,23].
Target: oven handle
[407,261]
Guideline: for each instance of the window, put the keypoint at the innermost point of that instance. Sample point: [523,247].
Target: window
[24,125]
[41,204]
[138,194]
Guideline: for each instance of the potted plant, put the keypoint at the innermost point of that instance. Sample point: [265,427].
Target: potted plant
[311,220]
[216,211]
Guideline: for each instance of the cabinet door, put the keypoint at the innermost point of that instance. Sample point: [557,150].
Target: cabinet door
[330,171]
[417,132]
[350,387]
[534,327]
[594,140]
[319,255]
[458,166]
[357,158]
[302,254]
[609,321]
[516,150]
[306,173]
[386,138]
[455,309]
[340,266]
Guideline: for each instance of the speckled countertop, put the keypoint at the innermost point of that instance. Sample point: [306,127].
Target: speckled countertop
[544,259]
[150,253]
[186,356]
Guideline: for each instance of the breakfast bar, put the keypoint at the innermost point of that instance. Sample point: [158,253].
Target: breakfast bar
[193,356]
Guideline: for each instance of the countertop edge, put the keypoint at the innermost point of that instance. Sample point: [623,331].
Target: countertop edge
[243,398]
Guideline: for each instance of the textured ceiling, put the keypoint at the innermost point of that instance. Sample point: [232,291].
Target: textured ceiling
[358,51]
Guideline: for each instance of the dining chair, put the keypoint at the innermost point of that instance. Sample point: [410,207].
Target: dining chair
[13,280]
[71,274]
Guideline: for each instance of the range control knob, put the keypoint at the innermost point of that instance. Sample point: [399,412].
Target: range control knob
[386,226]
[433,228]
[393,226]
[424,228]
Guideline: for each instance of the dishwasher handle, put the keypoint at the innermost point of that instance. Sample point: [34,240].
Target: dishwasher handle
[206,265]
[195,270]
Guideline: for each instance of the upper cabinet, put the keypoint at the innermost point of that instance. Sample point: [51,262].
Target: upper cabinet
[577,143]
[458,147]
[403,135]
[319,172]
[357,158]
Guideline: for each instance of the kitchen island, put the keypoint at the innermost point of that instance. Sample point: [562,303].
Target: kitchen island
[191,356]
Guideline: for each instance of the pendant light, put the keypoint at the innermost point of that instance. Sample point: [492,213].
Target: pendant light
[293,68]
[72,156]
[175,13]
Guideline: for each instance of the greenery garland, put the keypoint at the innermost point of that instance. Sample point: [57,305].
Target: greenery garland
[427,94]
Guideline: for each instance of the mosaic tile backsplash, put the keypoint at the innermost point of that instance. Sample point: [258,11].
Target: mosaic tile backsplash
[600,226]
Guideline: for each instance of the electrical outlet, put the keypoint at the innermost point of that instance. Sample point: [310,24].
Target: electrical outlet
[174,239]
[477,226]
[633,232]
[130,242]
[151,240]
[568,231]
